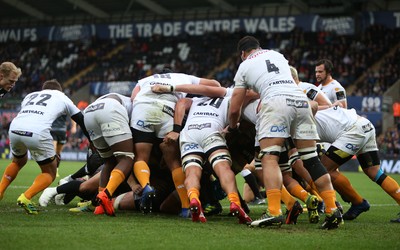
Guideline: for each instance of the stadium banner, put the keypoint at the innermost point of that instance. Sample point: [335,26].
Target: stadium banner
[388,19]
[102,88]
[367,106]
[344,25]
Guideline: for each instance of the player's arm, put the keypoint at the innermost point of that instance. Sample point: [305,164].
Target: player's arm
[341,97]
[181,107]
[209,82]
[322,101]
[78,118]
[134,92]
[251,95]
[204,90]
[235,108]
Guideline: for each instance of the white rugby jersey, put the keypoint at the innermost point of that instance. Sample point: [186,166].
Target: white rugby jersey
[172,79]
[126,102]
[268,73]
[250,111]
[208,113]
[40,109]
[334,91]
[332,122]
[312,91]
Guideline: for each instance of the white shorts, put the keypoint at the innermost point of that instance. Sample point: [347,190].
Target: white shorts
[359,139]
[40,146]
[153,117]
[285,116]
[200,143]
[107,122]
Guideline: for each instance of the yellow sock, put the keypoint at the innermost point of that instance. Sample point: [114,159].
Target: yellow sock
[287,199]
[234,197]
[193,193]
[299,192]
[274,202]
[142,172]
[392,188]
[42,181]
[116,178]
[329,197]
[343,186]
[9,175]
[179,180]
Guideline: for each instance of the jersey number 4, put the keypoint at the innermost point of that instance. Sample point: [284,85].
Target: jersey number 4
[271,67]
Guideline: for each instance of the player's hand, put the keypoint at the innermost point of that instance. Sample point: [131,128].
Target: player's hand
[338,103]
[171,137]
[158,88]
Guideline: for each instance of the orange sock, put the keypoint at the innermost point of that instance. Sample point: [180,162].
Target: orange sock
[314,190]
[142,172]
[274,202]
[116,178]
[193,193]
[179,180]
[234,197]
[329,197]
[287,198]
[299,192]
[41,182]
[343,186]
[392,188]
[9,175]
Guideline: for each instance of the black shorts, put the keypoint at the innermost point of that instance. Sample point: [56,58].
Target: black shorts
[59,136]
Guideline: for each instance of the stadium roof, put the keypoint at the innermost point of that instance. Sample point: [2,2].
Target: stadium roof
[36,12]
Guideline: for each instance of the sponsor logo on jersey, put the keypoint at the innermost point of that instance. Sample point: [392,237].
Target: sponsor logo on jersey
[160,83]
[296,103]
[311,94]
[281,82]
[368,127]
[142,124]
[32,112]
[23,133]
[278,128]
[206,114]
[168,110]
[199,126]
[190,146]
[352,147]
[94,107]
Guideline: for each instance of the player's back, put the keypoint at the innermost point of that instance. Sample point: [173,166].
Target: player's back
[40,109]
[210,111]
[334,121]
[171,79]
[268,73]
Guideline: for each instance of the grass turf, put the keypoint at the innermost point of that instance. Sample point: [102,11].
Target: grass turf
[56,228]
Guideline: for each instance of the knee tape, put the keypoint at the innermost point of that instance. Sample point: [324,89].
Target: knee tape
[257,164]
[190,160]
[223,156]
[272,150]
[293,158]
[128,154]
[307,153]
